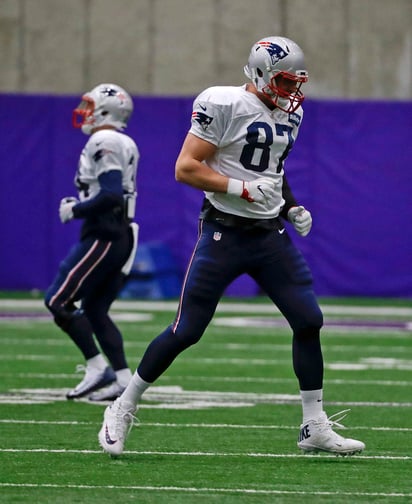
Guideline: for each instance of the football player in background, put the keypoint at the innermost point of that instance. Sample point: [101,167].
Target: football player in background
[235,152]
[93,272]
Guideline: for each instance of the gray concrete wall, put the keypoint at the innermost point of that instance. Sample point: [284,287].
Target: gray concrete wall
[354,48]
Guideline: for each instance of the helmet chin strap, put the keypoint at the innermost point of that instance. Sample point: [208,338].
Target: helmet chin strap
[279,102]
[87,129]
[283,103]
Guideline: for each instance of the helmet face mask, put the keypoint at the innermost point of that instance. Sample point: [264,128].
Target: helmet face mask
[277,69]
[104,105]
[286,100]
[83,114]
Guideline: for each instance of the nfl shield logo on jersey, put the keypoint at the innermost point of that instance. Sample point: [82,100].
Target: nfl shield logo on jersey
[217,236]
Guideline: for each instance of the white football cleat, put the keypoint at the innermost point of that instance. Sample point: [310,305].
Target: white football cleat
[117,423]
[317,435]
[93,379]
[110,393]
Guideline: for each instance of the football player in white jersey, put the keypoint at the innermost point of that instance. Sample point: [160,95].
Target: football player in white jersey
[235,152]
[94,270]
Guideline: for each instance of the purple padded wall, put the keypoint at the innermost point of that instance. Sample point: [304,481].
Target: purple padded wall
[350,166]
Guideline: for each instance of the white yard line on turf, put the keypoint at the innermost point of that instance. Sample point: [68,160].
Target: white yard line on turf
[194,425]
[202,454]
[224,306]
[200,490]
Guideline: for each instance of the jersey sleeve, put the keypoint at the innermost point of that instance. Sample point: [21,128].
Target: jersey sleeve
[110,196]
[289,198]
[290,201]
[209,118]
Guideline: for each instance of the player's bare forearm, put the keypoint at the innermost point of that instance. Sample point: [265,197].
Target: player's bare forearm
[200,176]
[192,170]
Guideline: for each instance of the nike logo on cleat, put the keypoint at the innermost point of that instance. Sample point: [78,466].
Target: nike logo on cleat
[304,433]
[109,440]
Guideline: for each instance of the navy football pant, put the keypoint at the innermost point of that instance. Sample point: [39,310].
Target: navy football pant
[91,273]
[221,255]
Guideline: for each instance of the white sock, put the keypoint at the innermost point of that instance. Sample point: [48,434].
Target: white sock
[123,376]
[97,362]
[312,404]
[134,390]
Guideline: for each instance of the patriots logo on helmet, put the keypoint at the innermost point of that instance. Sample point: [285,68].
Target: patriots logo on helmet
[108,91]
[203,119]
[276,52]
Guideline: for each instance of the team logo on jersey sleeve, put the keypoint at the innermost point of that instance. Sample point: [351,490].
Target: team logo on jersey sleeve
[203,119]
[217,236]
[97,156]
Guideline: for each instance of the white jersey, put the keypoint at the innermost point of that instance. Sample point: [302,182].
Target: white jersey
[252,140]
[107,150]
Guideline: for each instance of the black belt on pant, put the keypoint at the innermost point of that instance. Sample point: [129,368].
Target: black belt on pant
[211,214]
